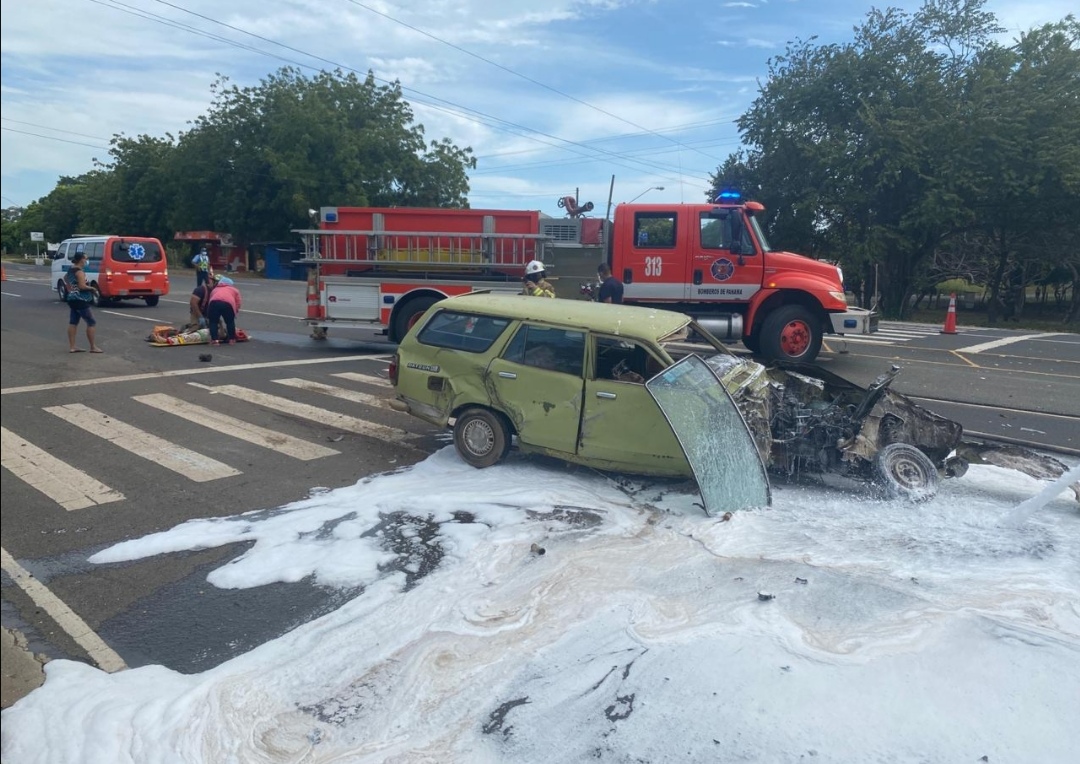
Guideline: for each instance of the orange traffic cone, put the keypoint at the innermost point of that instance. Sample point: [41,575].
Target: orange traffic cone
[950,317]
[3,273]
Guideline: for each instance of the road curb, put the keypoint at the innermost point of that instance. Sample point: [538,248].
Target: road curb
[22,670]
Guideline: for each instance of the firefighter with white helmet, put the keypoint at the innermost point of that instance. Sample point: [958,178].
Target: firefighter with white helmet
[534,282]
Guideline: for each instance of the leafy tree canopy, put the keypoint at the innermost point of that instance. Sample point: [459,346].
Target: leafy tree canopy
[258,160]
[884,151]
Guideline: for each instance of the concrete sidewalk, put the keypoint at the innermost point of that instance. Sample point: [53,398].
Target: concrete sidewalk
[22,670]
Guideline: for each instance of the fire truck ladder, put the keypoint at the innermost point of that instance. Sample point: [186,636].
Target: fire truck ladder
[422,250]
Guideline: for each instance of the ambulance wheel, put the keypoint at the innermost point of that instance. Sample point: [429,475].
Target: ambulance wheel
[152,301]
[791,333]
[482,437]
[408,314]
[902,471]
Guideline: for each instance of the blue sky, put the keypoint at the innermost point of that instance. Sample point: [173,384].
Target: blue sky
[554,97]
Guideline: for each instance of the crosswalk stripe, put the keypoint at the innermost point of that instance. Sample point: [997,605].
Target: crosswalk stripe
[237,428]
[338,392]
[100,653]
[69,487]
[859,340]
[900,335]
[371,379]
[190,464]
[316,414]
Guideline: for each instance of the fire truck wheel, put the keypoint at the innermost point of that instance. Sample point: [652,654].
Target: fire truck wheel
[753,344]
[481,437]
[408,314]
[791,333]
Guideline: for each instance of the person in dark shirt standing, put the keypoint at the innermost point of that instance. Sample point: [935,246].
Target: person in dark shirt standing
[611,289]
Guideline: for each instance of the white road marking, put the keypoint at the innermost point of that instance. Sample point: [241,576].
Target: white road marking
[338,392]
[103,655]
[900,333]
[247,312]
[316,414]
[190,464]
[182,373]
[1065,417]
[994,344]
[859,340]
[10,294]
[128,315]
[237,428]
[370,379]
[69,487]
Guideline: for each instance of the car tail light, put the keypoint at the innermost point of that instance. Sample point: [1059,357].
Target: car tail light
[392,370]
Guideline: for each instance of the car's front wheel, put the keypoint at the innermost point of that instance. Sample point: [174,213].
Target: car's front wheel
[482,437]
[904,472]
[62,290]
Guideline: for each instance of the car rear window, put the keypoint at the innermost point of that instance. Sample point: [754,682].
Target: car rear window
[136,252]
[462,331]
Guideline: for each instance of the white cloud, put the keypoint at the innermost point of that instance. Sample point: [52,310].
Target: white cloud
[97,69]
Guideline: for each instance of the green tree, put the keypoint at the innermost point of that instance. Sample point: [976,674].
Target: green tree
[868,151]
[264,155]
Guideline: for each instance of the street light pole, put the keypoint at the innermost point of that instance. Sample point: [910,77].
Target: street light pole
[647,190]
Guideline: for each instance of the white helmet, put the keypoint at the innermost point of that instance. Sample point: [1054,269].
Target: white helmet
[534,266]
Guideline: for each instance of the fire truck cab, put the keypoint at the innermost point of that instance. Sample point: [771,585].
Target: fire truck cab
[714,262]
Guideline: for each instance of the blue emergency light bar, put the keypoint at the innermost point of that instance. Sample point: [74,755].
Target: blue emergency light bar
[729,196]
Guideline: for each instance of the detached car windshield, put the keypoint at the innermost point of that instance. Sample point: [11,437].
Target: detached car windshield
[713,435]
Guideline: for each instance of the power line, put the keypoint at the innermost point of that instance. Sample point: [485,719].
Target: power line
[52,138]
[457,109]
[55,129]
[525,77]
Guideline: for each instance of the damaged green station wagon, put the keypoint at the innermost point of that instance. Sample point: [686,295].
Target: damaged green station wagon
[589,383]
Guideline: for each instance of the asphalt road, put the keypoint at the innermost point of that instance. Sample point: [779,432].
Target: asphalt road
[143,438]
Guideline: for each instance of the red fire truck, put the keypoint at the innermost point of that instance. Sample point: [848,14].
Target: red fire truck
[384,267]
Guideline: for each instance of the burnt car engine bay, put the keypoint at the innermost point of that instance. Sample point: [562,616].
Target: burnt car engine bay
[806,420]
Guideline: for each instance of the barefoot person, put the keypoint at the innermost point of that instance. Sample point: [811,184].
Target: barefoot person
[80,296]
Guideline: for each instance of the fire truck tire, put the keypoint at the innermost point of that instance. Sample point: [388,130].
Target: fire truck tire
[902,471]
[481,437]
[791,333]
[753,343]
[408,314]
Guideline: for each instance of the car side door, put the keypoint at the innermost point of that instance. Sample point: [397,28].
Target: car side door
[622,428]
[537,383]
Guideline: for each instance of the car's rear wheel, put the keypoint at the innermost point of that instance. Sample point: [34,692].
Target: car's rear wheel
[482,437]
[902,471]
[152,301]
[791,333]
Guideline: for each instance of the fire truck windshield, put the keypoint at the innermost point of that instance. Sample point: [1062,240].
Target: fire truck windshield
[759,234]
